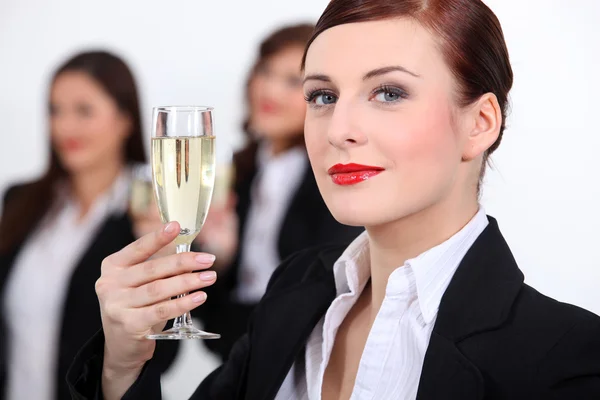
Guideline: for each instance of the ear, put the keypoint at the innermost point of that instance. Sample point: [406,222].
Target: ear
[485,122]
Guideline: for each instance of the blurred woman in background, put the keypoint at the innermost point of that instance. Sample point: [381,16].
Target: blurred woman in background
[55,231]
[278,208]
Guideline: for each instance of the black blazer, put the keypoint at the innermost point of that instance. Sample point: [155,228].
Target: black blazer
[494,337]
[307,223]
[81,313]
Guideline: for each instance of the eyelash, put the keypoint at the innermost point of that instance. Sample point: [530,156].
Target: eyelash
[313,94]
[401,93]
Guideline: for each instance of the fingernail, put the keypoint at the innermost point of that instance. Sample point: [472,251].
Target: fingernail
[199,298]
[205,258]
[208,276]
[170,227]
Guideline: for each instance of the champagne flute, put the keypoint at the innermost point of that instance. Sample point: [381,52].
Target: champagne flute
[183,172]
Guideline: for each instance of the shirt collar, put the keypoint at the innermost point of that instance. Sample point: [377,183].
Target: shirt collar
[351,271]
[432,270]
[114,200]
[435,267]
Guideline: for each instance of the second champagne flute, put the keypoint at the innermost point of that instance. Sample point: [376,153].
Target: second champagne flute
[183,171]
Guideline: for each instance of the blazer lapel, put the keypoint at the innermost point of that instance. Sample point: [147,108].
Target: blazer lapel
[296,232]
[282,324]
[478,299]
[447,374]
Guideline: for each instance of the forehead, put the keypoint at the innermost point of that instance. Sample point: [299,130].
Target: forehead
[78,86]
[356,48]
[288,58]
[75,83]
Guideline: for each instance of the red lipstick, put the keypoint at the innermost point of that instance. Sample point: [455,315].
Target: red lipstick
[71,144]
[268,107]
[351,174]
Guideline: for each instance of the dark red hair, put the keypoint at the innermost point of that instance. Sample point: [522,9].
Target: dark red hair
[468,33]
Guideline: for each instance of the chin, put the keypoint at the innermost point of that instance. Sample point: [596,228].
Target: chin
[73,164]
[369,209]
[353,213]
[276,130]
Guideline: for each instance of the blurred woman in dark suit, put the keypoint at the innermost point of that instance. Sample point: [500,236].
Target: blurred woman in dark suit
[279,209]
[55,231]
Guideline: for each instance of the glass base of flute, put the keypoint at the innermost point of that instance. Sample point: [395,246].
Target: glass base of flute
[183,327]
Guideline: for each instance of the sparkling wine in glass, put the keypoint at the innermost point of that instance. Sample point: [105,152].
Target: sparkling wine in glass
[183,174]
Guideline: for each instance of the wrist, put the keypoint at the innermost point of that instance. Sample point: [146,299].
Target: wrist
[117,380]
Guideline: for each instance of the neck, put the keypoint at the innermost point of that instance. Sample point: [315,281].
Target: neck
[394,243]
[89,184]
[277,147]
[280,146]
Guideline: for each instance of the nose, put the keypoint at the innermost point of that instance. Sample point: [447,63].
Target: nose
[64,124]
[344,130]
[273,88]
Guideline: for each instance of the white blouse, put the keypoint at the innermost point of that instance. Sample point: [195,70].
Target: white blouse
[391,362]
[38,285]
[271,194]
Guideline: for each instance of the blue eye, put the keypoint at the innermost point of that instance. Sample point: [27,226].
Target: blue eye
[325,99]
[321,98]
[387,97]
[389,94]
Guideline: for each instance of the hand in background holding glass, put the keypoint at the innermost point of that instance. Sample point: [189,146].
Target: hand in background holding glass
[219,235]
[141,196]
[143,208]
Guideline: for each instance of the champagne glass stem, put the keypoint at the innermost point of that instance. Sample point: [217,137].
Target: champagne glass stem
[186,318]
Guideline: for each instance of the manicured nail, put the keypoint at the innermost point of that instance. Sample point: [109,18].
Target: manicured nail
[199,298]
[208,276]
[170,227]
[205,258]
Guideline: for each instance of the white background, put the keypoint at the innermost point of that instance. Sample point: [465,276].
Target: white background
[544,190]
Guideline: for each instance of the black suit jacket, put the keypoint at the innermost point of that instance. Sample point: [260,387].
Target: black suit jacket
[307,223]
[494,337]
[81,313]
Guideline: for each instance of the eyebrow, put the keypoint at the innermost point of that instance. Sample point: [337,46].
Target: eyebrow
[369,75]
[387,70]
[316,77]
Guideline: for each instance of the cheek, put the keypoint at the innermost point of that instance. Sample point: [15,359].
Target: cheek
[105,135]
[55,131]
[422,155]
[423,138]
[297,108]
[315,137]
[254,92]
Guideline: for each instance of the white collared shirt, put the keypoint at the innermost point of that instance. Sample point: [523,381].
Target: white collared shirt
[37,288]
[392,360]
[271,194]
